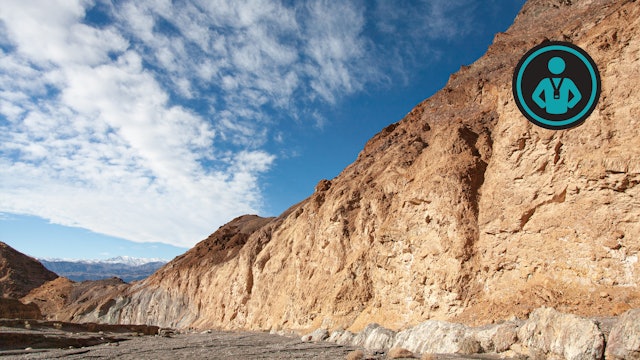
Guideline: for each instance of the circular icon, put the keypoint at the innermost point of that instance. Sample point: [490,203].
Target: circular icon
[556,85]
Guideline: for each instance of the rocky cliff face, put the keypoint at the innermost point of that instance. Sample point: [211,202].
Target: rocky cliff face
[463,210]
[19,273]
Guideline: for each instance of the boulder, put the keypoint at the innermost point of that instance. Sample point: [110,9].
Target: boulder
[375,337]
[624,339]
[355,355]
[553,334]
[433,336]
[399,353]
[505,336]
[317,335]
[341,337]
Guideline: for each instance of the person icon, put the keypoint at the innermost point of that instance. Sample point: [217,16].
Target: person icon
[560,94]
[556,85]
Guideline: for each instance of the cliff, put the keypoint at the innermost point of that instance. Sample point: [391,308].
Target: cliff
[463,210]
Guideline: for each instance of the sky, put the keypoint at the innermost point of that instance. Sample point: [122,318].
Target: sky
[139,127]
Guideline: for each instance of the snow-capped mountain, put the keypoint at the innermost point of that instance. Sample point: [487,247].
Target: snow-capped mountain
[125,267]
[126,260]
[131,261]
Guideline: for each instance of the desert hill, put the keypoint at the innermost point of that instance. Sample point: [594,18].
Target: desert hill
[66,300]
[30,291]
[463,210]
[19,273]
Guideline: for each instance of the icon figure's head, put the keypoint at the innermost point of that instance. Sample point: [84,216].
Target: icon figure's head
[556,65]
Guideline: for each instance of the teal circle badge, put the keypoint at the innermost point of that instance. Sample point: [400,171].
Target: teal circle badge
[556,85]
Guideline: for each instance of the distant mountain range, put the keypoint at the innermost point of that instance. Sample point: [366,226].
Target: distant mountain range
[124,267]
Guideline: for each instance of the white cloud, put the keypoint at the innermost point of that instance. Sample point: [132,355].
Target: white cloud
[49,32]
[91,138]
[151,124]
[335,46]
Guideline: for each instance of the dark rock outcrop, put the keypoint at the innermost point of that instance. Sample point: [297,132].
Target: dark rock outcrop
[20,273]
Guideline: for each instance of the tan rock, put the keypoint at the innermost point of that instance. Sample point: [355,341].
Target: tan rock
[624,339]
[374,337]
[400,353]
[342,337]
[469,345]
[355,355]
[434,337]
[317,335]
[505,336]
[562,335]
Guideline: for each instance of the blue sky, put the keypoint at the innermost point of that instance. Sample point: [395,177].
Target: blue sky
[139,127]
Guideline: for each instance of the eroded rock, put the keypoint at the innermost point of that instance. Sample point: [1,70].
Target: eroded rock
[400,353]
[436,337]
[342,337]
[561,335]
[624,339]
[316,335]
[14,309]
[374,337]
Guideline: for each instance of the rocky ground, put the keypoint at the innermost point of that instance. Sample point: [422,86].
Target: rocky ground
[213,345]
[547,334]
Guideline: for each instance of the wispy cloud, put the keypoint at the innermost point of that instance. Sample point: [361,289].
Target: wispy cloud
[147,120]
[429,19]
[413,27]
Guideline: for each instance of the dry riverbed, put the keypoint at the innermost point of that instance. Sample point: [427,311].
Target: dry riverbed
[216,345]
[42,340]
